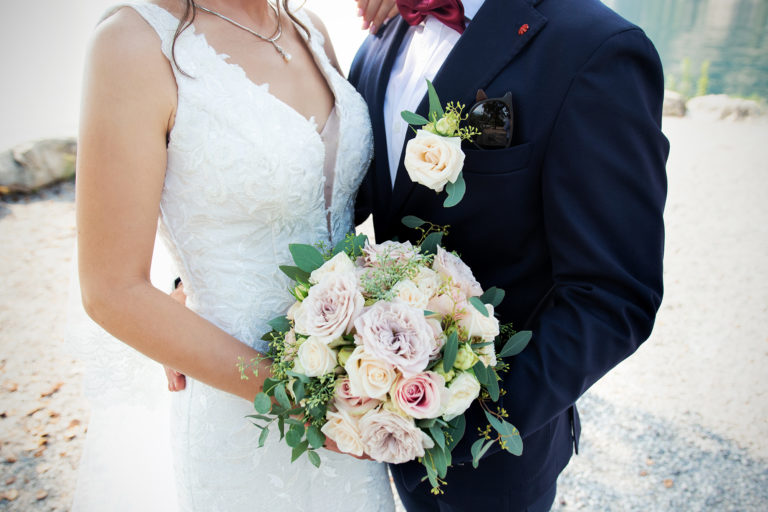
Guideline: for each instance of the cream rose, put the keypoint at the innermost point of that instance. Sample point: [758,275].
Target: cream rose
[389,437]
[433,160]
[331,307]
[290,345]
[389,251]
[462,391]
[487,355]
[345,400]
[398,334]
[344,431]
[407,292]
[451,267]
[369,377]
[479,326]
[428,281]
[314,358]
[422,396]
[338,264]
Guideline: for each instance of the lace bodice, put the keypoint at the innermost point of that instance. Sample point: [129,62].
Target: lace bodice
[245,178]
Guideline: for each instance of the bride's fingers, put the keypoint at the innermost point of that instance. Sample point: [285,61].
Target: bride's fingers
[386,11]
[369,14]
[330,444]
[176,380]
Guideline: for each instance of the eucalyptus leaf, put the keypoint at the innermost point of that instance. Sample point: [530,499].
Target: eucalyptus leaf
[303,378]
[306,257]
[315,437]
[293,421]
[314,458]
[516,344]
[493,296]
[476,458]
[412,221]
[429,245]
[414,119]
[280,324]
[262,403]
[299,391]
[455,192]
[263,437]
[281,426]
[451,351]
[429,463]
[437,435]
[425,423]
[293,437]
[440,461]
[295,273]
[479,305]
[457,426]
[299,449]
[282,396]
[259,417]
[493,385]
[358,243]
[481,372]
[434,102]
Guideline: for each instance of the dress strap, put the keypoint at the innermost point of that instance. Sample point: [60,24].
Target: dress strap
[162,21]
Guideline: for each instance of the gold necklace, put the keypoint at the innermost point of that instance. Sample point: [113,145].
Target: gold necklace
[272,39]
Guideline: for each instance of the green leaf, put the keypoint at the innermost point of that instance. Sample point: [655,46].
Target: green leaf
[428,312]
[493,296]
[299,391]
[425,423]
[294,435]
[493,385]
[259,417]
[295,273]
[439,460]
[434,102]
[280,324]
[516,344]
[282,396]
[429,245]
[479,305]
[314,458]
[263,437]
[298,450]
[450,352]
[281,426]
[514,445]
[455,191]
[508,433]
[293,421]
[478,450]
[429,463]
[303,378]
[306,257]
[414,119]
[262,403]
[412,221]
[457,426]
[315,437]
[481,372]
[437,435]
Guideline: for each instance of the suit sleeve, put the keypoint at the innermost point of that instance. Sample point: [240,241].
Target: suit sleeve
[604,188]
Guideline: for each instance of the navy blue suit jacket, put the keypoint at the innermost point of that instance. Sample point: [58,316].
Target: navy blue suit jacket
[568,220]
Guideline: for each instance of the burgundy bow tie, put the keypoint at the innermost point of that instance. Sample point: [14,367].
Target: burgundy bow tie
[449,12]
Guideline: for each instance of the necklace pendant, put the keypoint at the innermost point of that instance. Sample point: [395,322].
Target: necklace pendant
[286,56]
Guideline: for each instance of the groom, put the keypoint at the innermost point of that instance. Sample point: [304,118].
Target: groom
[567,219]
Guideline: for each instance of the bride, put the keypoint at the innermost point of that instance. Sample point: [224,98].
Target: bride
[230,121]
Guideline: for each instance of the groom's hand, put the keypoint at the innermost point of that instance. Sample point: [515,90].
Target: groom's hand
[375,13]
[176,380]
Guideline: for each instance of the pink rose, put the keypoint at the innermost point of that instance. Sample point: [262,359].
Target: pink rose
[398,334]
[452,303]
[346,401]
[389,251]
[389,437]
[421,396]
[330,308]
[451,267]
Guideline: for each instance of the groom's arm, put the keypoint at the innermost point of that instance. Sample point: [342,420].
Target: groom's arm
[604,187]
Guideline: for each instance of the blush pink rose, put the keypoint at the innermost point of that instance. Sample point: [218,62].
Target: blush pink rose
[421,396]
[389,251]
[345,400]
[398,334]
[330,307]
[451,267]
[389,437]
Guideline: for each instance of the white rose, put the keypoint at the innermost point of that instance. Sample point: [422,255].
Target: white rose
[479,326]
[331,307]
[337,264]
[428,281]
[344,431]
[487,355]
[369,377]
[433,160]
[462,391]
[407,292]
[314,358]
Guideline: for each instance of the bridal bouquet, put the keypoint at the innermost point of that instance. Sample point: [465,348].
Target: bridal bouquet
[385,348]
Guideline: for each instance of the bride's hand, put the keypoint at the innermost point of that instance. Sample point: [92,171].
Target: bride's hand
[375,13]
[176,380]
[331,445]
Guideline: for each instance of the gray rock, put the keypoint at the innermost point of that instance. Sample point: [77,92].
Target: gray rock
[721,106]
[674,104]
[34,165]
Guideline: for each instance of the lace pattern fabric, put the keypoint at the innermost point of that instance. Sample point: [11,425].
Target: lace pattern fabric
[244,178]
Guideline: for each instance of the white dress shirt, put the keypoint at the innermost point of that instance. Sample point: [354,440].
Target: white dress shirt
[421,54]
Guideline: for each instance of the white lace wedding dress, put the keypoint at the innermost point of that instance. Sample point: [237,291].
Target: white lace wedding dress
[245,177]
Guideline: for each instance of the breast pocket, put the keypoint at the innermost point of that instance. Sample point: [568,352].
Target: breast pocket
[497,161]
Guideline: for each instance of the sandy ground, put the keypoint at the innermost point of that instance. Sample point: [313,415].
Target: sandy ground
[681,425]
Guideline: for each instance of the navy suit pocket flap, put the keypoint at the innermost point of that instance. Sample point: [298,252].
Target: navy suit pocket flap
[497,161]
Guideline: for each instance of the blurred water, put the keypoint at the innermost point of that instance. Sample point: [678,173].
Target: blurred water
[731,34]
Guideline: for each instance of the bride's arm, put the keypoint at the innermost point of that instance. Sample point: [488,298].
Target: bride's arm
[128,104]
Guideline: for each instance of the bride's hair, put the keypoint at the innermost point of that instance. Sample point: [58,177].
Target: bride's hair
[190,11]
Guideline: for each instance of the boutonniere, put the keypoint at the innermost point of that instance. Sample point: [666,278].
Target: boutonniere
[434,157]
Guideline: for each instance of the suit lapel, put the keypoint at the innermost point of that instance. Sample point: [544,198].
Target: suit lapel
[379,72]
[492,39]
